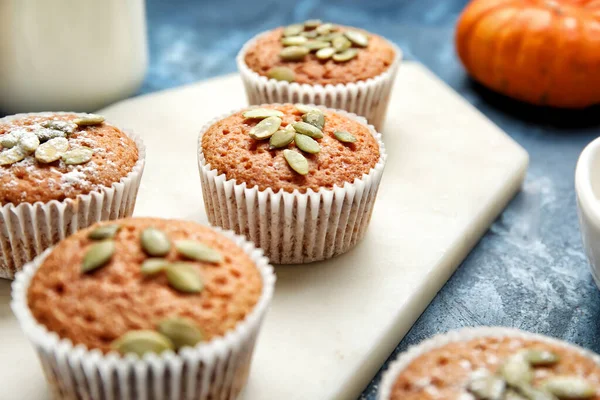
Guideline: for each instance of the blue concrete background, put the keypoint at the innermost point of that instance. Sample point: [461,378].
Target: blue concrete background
[529,271]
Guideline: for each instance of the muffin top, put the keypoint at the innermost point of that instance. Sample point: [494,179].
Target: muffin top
[315,53]
[290,153]
[50,156]
[491,367]
[200,277]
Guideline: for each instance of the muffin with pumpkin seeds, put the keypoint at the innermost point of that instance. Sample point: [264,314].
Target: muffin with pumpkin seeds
[300,181]
[145,293]
[60,172]
[321,63]
[493,363]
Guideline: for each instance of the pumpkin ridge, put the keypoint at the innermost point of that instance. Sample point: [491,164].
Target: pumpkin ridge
[522,31]
[470,22]
[553,41]
[560,43]
[499,55]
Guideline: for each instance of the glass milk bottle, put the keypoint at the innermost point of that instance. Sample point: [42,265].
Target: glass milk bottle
[70,55]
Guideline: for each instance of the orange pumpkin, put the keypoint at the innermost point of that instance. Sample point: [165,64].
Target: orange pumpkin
[545,52]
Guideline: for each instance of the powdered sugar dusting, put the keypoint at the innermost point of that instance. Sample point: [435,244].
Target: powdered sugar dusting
[78,174]
[423,382]
[72,178]
[67,176]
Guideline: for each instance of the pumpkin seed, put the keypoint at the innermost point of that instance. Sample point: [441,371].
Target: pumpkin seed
[155,242]
[517,371]
[184,277]
[326,53]
[307,144]
[293,30]
[329,37]
[77,156]
[316,119]
[64,126]
[29,142]
[281,74]
[315,45]
[345,55]
[198,251]
[104,232]
[569,387]
[541,357]
[293,53]
[344,137]
[530,393]
[265,128]
[309,34]
[46,134]
[312,23]
[296,161]
[181,331]
[357,38]
[141,342]
[89,119]
[52,150]
[98,255]
[308,130]
[261,113]
[512,395]
[293,40]
[9,141]
[325,29]
[12,155]
[340,44]
[303,108]
[488,387]
[282,138]
[152,266]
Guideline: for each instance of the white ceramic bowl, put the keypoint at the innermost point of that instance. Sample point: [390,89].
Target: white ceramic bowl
[587,187]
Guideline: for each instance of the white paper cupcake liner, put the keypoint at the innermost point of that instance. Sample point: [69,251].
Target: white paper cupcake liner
[463,335]
[369,98]
[212,370]
[28,229]
[293,228]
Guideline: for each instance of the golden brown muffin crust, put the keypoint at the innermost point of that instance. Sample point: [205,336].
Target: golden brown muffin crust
[370,62]
[443,373]
[96,308]
[228,149]
[29,181]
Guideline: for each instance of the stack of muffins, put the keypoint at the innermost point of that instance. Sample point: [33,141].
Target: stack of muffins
[145,308]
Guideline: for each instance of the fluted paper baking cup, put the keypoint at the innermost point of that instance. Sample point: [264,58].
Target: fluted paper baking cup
[27,229]
[368,98]
[293,228]
[217,369]
[463,335]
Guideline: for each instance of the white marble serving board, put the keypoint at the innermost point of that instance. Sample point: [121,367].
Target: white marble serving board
[332,324]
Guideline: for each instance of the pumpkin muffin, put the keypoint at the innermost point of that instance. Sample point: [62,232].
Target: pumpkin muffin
[321,63]
[493,363]
[60,172]
[299,181]
[145,292]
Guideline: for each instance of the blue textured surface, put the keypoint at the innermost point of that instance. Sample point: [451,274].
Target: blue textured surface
[529,271]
